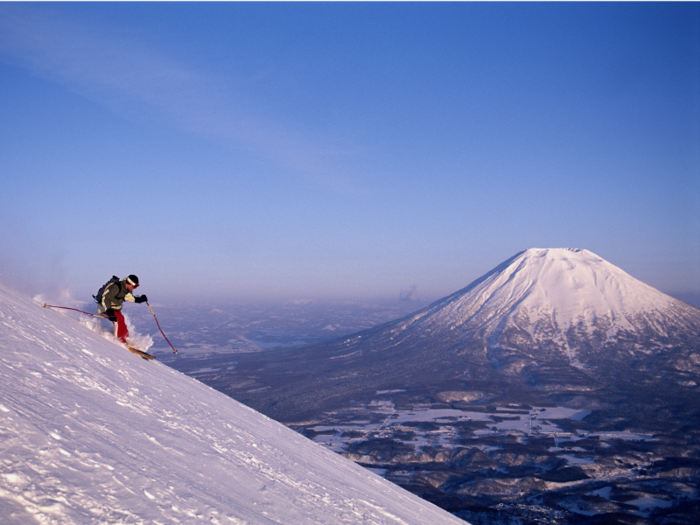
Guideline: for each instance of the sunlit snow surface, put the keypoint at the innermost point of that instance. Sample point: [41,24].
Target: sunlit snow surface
[90,433]
[551,295]
[568,285]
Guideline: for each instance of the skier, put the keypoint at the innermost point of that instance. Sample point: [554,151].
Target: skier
[112,300]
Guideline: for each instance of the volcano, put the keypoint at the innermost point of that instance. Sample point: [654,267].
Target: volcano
[553,323]
[554,304]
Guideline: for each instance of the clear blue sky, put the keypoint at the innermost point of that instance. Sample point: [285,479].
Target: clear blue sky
[344,150]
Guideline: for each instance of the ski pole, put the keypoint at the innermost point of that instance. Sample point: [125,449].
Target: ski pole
[159,328]
[74,309]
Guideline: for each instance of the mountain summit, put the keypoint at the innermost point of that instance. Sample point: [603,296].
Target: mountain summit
[546,320]
[558,300]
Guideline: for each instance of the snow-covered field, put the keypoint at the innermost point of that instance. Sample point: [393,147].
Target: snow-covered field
[517,422]
[90,433]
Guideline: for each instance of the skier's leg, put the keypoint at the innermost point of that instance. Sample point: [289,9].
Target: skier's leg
[121,332]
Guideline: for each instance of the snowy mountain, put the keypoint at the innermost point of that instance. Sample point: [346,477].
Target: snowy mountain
[546,320]
[557,300]
[93,434]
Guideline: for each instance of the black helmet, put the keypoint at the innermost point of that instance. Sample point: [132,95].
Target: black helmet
[132,279]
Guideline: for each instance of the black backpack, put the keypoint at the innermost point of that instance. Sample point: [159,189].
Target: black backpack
[98,297]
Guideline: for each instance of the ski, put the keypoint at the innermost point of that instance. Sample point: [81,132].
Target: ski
[140,352]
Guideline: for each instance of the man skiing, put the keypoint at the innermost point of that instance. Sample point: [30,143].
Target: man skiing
[112,300]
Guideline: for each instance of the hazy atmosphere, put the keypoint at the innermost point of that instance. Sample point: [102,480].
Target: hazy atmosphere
[344,150]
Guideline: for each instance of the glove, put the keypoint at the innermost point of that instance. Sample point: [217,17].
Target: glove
[141,299]
[110,315]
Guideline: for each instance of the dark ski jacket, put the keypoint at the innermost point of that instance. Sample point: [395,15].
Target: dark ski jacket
[115,295]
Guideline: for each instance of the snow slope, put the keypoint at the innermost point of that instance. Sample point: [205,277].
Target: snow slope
[557,295]
[566,285]
[90,433]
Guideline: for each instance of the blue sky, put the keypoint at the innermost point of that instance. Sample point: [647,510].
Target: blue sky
[344,150]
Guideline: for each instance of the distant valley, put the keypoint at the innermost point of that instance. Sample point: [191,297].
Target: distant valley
[488,457]
[220,328]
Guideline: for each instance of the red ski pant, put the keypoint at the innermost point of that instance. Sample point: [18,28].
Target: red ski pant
[121,332]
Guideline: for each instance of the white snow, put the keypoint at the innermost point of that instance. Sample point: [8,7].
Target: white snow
[567,285]
[546,292]
[90,433]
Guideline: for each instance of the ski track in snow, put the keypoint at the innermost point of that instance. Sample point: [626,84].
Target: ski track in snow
[91,433]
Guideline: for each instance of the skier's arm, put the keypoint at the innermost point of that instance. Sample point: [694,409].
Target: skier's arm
[132,299]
